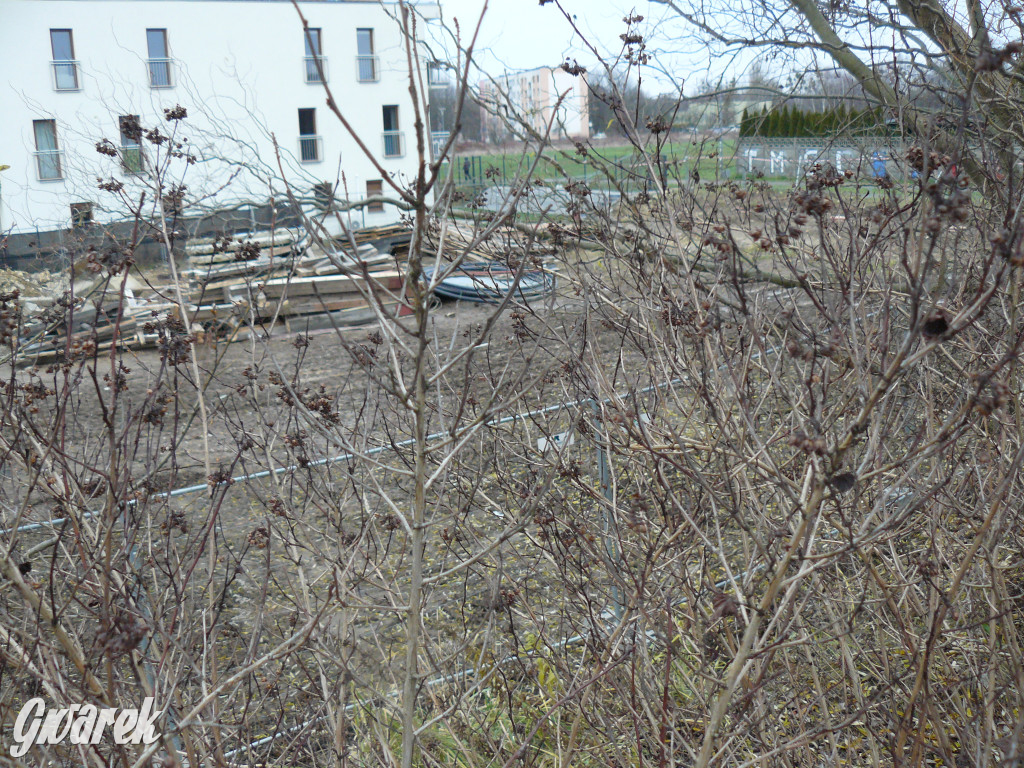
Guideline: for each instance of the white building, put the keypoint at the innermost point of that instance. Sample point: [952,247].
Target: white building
[74,72]
[543,96]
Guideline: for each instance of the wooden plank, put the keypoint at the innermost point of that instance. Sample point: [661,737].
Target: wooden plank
[313,305]
[344,319]
[202,246]
[231,257]
[205,312]
[322,285]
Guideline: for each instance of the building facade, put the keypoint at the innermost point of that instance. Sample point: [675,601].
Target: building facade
[543,96]
[75,74]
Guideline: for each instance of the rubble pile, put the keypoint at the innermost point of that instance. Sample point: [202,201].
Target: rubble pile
[32,284]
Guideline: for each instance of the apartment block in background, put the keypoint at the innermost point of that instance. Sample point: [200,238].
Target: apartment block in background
[542,97]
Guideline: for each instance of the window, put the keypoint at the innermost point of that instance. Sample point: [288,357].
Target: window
[65,68]
[159,62]
[323,194]
[313,47]
[81,214]
[131,146]
[48,156]
[315,61]
[392,136]
[436,77]
[375,189]
[307,122]
[309,142]
[366,60]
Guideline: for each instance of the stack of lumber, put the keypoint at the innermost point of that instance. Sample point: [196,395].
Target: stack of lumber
[273,278]
[500,244]
[325,301]
[338,260]
[223,257]
[391,238]
[249,277]
[94,322]
[392,235]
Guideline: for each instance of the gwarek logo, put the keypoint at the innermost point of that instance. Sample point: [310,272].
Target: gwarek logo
[82,724]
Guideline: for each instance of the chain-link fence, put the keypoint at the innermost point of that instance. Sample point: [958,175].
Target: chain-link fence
[791,158]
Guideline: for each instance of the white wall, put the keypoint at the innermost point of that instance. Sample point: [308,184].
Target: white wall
[238,70]
[575,110]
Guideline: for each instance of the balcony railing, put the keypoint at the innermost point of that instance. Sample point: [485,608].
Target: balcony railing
[394,143]
[160,73]
[437,141]
[65,75]
[310,149]
[314,75]
[436,77]
[49,164]
[131,158]
[367,69]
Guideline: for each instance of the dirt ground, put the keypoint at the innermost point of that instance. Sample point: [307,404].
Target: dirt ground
[244,508]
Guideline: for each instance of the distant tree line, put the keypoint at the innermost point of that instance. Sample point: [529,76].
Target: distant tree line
[789,122]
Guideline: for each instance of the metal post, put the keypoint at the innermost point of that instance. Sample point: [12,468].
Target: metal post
[147,613]
[611,544]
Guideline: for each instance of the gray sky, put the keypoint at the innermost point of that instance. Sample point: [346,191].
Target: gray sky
[522,34]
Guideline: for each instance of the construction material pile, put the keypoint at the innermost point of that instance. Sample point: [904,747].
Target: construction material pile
[492,281]
[460,240]
[488,266]
[91,316]
[280,280]
[32,284]
[263,282]
[279,276]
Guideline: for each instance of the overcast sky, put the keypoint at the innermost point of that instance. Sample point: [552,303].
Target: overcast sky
[522,34]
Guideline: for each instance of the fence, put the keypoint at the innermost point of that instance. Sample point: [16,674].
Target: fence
[478,173]
[791,158]
[681,162]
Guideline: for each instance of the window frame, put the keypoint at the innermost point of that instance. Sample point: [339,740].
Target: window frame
[308,37]
[377,207]
[367,66]
[54,153]
[63,65]
[129,145]
[314,61]
[373,48]
[81,214]
[159,64]
[166,43]
[309,140]
[71,44]
[311,113]
[393,139]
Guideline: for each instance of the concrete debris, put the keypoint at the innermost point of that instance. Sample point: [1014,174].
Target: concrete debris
[41,284]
